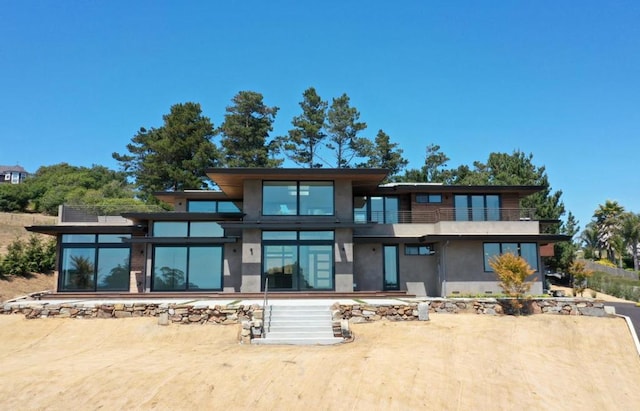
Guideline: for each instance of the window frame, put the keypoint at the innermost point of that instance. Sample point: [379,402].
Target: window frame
[472,210]
[298,242]
[298,202]
[96,246]
[187,265]
[430,249]
[505,247]
[189,227]
[428,197]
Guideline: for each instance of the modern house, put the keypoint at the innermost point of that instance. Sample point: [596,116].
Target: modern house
[12,174]
[304,231]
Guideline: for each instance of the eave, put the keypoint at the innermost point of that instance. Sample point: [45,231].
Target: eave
[231,180]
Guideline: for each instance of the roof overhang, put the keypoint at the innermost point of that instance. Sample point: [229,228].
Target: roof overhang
[292,225]
[180,216]
[231,180]
[180,240]
[433,238]
[85,229]
[407,188]
[534,238]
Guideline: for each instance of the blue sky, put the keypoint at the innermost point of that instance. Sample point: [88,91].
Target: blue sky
[555,79]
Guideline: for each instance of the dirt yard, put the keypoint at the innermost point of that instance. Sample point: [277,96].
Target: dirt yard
[540,362]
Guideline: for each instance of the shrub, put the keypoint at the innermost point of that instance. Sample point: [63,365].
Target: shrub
[580,274]
[620,287]
[30,257]
[512,272]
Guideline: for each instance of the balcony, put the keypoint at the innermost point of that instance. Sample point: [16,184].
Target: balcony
[447,214]
[101,214]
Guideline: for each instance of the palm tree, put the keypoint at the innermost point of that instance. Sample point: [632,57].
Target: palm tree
[589,238]
[607,218]
[630,233]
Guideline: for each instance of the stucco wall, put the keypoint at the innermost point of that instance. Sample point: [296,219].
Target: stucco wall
[232,267]
[367,267]
[463,270]
[417,274]
[251,257]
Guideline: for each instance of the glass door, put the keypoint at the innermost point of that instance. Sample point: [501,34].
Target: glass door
[280,266]
[390,257]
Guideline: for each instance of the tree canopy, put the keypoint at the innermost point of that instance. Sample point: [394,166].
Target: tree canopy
[385,154]
[343,128]
[302,142]
[245,132]
[174,156]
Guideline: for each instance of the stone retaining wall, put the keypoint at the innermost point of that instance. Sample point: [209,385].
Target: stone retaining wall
[410,311]
[174,313]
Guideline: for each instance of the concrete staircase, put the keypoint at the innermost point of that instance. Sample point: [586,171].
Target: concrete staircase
[298,325]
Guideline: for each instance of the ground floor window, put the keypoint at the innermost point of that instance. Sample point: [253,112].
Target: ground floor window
[187,268]
[528,251]
[298,260]
[91,262]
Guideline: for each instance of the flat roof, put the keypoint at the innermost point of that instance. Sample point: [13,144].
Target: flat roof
[231,180]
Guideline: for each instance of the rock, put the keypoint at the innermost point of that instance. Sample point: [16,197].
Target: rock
[592,311]
[193,318]
[122,314]
[423,311]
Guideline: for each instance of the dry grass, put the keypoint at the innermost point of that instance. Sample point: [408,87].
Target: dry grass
[12,227]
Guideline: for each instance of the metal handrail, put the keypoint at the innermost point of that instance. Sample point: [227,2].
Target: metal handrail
[265,305]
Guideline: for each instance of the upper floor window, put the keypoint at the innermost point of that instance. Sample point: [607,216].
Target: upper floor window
[477,207]
[212,206]
[187,229]
[376,209]
[428,198]
[297,198]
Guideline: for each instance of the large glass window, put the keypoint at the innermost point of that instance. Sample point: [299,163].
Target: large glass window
[184,268]
[211,206]
[187,229]
[390,257]
[477,207]
[384,210]
[528,251]
[297,198]
[298,260]
[91,262]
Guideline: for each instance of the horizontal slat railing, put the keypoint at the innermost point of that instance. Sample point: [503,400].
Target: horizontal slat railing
[448,214]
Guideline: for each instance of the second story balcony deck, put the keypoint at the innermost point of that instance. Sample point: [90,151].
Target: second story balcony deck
[446,214]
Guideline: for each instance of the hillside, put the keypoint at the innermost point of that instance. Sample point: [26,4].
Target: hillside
[12,226]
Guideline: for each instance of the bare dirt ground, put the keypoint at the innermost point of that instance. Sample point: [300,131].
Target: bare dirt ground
[12,287]
[540,362]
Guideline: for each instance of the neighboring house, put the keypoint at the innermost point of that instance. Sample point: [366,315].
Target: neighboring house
[12,174]
[305,230]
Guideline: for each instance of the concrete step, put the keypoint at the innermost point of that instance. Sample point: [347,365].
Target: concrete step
[298,324]
[297,341]
[299,327]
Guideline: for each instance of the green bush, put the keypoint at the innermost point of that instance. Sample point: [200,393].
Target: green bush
[33,256]
[620,287]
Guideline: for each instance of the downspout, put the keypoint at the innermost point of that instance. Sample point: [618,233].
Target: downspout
[443,268]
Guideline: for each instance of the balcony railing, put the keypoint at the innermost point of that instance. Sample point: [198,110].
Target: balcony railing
[446,214]
[100,213]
